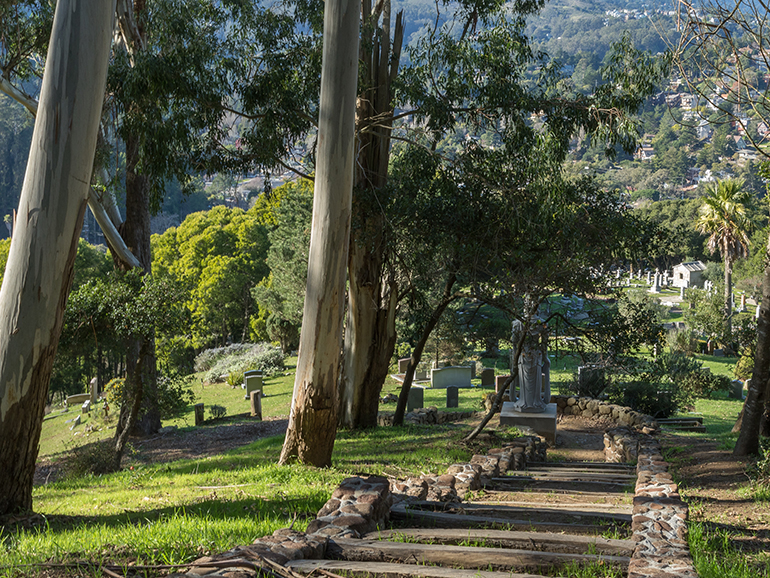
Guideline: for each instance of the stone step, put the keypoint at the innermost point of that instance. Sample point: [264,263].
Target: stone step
[392,570]
[523,521]
[587,466]
[540,541]
[533,511]
[471,557]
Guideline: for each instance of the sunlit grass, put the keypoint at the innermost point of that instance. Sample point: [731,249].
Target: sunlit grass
[715,555]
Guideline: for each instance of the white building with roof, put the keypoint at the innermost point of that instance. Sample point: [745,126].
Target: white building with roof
[689,274]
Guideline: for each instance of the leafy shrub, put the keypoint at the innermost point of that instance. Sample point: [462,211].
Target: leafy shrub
[644,396]
[175,354]
[240,357]
[235,378]
[174,395]
[217,411]
[703,383]
[744,369]
[114,391]
[92,458]
[683,341]
[207,359]
[658,388]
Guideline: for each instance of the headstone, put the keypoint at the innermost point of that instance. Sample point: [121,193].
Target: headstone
[743,304]
[453,375]
[655,284]
[77,399]
[649,277]
[256,404]
[590,379]
[681,292]
[253,383]
[415,399]
[736,389]
[86,407]
[500,382]
[487,376]
[452,396]
[75,422]
[252,372]
[198,413]
[94,389]
[402,364]
[756,313]
[719,353]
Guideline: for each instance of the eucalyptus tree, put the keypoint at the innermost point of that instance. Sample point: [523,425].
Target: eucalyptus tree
[40,262]
[313,419]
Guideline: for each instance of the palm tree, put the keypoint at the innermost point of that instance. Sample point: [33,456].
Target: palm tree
[723,216]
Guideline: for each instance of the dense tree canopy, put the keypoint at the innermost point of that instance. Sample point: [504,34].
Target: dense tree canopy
[218,256]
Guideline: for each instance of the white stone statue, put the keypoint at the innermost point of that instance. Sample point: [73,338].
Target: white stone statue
[534,369]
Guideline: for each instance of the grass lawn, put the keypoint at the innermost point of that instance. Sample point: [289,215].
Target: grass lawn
[167,513]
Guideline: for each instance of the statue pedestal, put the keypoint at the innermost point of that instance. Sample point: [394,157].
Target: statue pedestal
[542,423]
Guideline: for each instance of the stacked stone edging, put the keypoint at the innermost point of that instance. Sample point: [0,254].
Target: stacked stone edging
[589,407]
[359,505]
[621,445]
[425,416]
[659,520]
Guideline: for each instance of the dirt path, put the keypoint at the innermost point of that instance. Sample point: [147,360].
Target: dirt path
[713,483]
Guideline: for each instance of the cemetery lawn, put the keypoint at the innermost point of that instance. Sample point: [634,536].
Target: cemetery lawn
[193,491]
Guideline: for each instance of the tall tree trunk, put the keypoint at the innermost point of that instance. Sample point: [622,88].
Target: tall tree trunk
[140,417]
[315,403]
[40,264]
[748,439]
[419,347]
[141,370]
[370,330]
[728,310]
[370,335]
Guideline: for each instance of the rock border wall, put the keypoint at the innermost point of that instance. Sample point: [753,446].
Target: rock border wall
[659,520]
[425,416]
[361,504]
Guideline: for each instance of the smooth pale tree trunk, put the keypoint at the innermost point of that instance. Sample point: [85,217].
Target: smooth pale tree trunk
[751,416]
[53,200]
[315,403]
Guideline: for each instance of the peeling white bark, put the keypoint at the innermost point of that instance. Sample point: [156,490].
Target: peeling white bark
[40,261]
[102,205]
[313,420]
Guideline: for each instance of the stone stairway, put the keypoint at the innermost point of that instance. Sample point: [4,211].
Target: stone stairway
[509,513]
